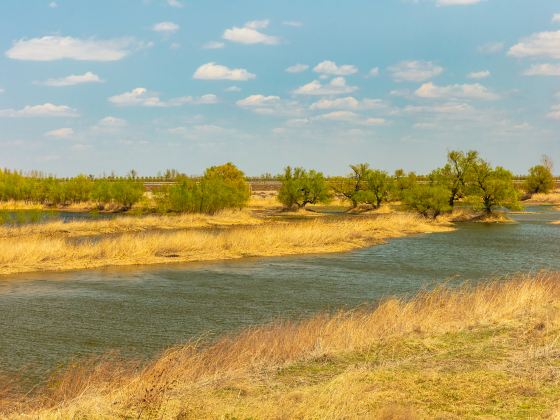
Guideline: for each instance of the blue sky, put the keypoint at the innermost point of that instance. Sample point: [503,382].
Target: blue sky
[91,87]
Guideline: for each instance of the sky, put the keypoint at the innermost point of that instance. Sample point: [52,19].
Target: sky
[95,87]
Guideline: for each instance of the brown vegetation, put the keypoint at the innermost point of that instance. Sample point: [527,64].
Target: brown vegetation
[488,351]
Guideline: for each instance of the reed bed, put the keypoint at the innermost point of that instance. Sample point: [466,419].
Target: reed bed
[552,198]
[485,351]
[41,253]
[126,224]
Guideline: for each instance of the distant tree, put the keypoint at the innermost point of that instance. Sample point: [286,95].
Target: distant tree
[402,183]
[376,187]
[429,200]
[126,193]
[456,174]
[350,187]
[301,187]
[493,187]
[540,180]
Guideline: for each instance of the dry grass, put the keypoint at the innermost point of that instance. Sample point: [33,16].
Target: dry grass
[552,198]
[126,224]
[491,351]
[41,253]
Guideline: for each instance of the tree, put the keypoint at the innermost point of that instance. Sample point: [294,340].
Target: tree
[455,174]
[493,187]
[402,183]
[126,193]
[376,187]
[301,187]
[350,186]
[540,180]
[428,200]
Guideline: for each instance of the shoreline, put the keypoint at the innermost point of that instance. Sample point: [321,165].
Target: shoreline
[64,250]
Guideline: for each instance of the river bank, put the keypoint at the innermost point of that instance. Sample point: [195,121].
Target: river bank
[483,351]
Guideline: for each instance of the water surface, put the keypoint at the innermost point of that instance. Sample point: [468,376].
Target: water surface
[48,318]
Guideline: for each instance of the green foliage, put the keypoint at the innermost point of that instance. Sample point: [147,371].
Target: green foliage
[428,200]
[301,187]
[351,186]
[456,174]
[126,193]
[221,187]
[540,180]
[402,183]
[376,188]
[492,187]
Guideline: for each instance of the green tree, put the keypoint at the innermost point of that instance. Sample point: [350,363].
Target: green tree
[456,174]
[428,200]
[301,187]
[493,187]
[126,193]
[376,187]
[403,182]
[350,187]
[540,180]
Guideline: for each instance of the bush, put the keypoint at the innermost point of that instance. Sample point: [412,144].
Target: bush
[301,187]
[428,200]
[492,187]
[540,180]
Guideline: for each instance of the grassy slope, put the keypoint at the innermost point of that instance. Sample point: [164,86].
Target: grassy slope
[79,245]
[492,351]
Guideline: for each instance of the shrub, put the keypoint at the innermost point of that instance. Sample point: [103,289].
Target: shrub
[428,200]
[540,180]
[301,187]
[492,187]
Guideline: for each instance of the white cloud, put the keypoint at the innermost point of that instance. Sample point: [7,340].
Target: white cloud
[142,97]
[73,79]
[112,122]
[348,102]
[374,72]
[491,48]
[351,117]
[466,91]
[543,70]
[1,90]
[250,34]
[61,133]
[233,89]
[53,4]
[483,74]
[257,101]
[297,68]
[213,45]
[44,110]
[166,27]
[556,18]
[457,2]
[447,108]
[50,48]
[336,86]
[415,71]
[332,69]
[542,44]
[554,113]
[293,23]
[213,71]
[175,3]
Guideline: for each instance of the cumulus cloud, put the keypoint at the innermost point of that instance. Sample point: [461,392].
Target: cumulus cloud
[258,101]
[250,34]
[415,71]
[175,3]
[556,18]
[50,48]
[554,113]
[542,44]
[233,89]
[73,79]
[112,122]
[466,91]
[61,133]
[374,72]
[213,71]
[483,74]
[142,97]
[332,69]
[446,108]
[336,86]
[491,48]
[348,102]
[53,4]
[543,70]
[297,68]
[351,117]
[44,110]
[165,27]
[213,45]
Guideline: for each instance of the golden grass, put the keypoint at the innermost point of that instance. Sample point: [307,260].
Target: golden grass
[124,224]
[552,198]
[491,351]
[41,253]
